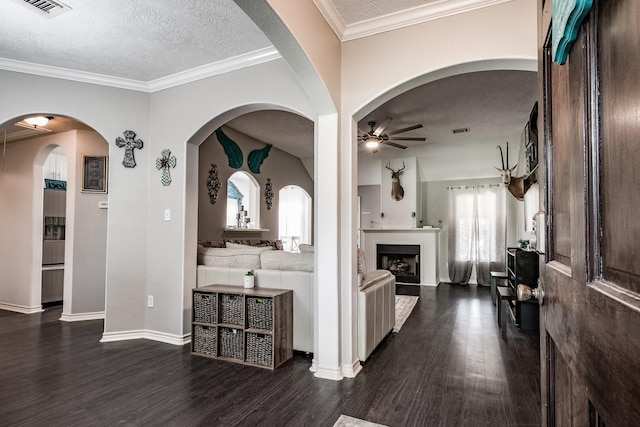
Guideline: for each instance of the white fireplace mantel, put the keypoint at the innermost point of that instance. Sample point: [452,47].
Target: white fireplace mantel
[427,238]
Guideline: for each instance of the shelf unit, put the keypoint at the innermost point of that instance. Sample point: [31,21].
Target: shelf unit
[522,268]
[249,326]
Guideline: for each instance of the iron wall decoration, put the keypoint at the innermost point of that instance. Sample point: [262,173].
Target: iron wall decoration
[129,142]
[164,162]
[213,184]
[256,157]
[231,149]
[268,194]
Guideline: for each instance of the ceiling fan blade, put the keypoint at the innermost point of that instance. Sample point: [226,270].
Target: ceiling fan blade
[408,138]
[393,144]
[407,129]
[382,126]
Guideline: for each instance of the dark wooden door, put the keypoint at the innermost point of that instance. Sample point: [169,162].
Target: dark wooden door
[590,317]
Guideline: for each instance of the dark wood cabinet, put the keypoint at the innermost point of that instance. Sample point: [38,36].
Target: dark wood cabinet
[522,268]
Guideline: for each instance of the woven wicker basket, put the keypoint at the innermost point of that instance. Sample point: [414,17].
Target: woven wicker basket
[231,309]
[231,343]
[205,340]
[260,313]
[204,307]
[259,349]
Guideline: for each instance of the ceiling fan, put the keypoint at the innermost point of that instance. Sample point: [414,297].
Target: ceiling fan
[375,137]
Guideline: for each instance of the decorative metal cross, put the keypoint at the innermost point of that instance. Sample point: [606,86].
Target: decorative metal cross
[129,143]
[165,162]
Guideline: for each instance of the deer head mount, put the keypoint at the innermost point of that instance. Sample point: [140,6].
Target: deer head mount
[397,192]
[517,186]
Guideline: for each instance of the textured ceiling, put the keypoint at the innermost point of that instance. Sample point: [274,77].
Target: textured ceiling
[352,12]
[139,40]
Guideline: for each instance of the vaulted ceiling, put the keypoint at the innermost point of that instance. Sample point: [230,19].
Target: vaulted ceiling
[151,45]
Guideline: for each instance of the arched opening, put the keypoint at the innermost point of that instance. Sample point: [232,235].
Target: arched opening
[56,247]
[294,213]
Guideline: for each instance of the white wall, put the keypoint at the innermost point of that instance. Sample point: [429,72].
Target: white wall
[90,235]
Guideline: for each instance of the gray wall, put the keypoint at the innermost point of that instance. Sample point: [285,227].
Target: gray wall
[283,169]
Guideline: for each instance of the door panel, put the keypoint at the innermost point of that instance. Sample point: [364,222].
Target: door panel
[590,319]
[620,63]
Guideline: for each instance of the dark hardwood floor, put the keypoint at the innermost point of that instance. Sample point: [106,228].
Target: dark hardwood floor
[448,366]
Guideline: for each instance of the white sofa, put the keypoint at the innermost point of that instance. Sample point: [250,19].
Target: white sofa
[285,270]
[376,307]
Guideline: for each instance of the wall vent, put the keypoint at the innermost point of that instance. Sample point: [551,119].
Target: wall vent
[460,130]
[46,8]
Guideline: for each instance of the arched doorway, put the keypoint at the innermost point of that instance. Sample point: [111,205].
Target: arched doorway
[85,221]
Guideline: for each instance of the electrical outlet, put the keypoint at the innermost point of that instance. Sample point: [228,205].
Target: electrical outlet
[150,301]
[167,214]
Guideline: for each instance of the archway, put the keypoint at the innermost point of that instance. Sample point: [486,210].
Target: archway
[85,225]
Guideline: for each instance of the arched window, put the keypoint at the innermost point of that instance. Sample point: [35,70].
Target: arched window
[294,217]
[243,203]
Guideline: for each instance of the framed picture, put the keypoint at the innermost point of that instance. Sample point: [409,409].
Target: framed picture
[94,173]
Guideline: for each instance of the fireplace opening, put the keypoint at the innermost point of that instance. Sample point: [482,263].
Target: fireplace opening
[403,261]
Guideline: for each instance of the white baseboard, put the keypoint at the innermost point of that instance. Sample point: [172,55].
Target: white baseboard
[334,374]
[314,365]
[21,308]
[79,317]
[147,335]
[350,371]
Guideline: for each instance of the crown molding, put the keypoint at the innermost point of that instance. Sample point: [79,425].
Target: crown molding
[246,60]
[400,19]
[241,61]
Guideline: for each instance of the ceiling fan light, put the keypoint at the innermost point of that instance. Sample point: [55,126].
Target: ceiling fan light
[37,121]
[372,143]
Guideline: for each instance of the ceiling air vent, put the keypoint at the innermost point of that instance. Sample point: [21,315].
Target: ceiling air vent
[460,130]
[47,8]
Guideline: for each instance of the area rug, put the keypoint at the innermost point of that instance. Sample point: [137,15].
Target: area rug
[404,307]
[345,421]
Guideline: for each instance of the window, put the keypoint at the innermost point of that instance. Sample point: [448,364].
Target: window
[294,214]
[243,201]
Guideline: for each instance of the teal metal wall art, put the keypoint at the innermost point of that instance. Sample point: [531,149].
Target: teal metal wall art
[567,15]
[231,149]
[256,157]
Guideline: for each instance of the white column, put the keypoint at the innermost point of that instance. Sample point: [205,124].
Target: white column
[326,207]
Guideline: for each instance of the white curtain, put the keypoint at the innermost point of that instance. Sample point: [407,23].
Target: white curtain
[477,224]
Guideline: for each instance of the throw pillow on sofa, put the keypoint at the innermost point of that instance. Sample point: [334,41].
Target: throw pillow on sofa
[247,257]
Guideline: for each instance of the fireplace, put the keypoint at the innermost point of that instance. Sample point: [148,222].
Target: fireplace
[403,261]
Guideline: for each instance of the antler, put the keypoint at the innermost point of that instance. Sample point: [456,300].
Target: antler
[392,170]
[501,156]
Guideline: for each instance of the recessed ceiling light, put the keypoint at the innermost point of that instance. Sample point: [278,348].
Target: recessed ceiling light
[37,121]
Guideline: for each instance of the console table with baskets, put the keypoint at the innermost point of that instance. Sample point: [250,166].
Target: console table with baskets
[249,326]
